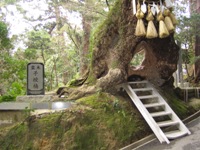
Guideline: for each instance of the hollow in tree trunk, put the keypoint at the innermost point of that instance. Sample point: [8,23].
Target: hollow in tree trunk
[114,45]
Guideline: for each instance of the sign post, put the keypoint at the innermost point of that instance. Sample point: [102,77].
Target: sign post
[35,79]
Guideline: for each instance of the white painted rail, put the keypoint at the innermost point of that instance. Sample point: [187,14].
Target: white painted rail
[163,110]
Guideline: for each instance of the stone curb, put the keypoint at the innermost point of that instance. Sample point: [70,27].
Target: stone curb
[152,137]
[9,106]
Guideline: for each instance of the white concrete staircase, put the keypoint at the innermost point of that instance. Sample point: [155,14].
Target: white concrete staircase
[160,117]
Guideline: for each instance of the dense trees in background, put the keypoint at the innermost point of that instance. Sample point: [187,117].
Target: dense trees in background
[12,72]
[187,34]
[52,37]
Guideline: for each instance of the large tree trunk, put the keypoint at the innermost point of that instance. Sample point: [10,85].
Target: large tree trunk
[195,8]
[197,63]
[114,46]
[197,48]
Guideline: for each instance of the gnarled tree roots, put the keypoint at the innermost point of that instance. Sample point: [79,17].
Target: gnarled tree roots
[113,77]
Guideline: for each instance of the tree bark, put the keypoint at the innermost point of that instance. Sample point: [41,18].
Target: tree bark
[195,8]
[55,69]
[85,44]
[113,47]
[197,63]
[197,49]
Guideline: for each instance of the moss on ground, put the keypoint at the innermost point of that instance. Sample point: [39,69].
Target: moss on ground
[100,121]
[181,108]
[195,103]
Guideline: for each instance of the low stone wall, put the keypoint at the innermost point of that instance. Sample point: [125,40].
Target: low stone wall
[13,112]
[35,98]
[8,118]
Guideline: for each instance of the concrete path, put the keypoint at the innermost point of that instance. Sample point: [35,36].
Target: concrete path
[34,105]
[189,142]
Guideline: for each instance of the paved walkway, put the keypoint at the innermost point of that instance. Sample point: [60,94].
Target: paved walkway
[190,142]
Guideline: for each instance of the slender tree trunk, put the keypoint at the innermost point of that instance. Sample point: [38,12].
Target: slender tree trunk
[43,57]
[86,21]
[51,80]
[55,69]
[59,22]
[186,68]
[85,45]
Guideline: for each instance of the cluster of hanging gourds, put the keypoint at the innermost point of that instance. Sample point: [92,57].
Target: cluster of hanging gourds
[162,13]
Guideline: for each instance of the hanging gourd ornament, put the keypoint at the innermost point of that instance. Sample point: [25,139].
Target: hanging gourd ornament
[169,5]
[168,21]
[140,28]
[163,31]
[151,30]
[173,18]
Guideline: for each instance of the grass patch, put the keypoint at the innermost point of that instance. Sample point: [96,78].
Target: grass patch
[195,103]
[181,108]
[100,121]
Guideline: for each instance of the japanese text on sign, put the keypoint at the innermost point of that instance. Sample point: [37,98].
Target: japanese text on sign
[35,78]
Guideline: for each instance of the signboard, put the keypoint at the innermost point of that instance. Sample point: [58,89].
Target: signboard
[35,79]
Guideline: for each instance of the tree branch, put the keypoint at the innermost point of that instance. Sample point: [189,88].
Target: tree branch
[108,5]
[71,37]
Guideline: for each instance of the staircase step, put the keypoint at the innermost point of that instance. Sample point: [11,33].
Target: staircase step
[167,123]
[155,102]
[142,89]
[147,96]
[138,82]
[154,105]
[161,113]
[175,134]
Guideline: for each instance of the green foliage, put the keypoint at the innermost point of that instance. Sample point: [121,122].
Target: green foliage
[118,112]
[14,90]
[4,40]
[8,2]
[188,56]
[61,60]
[99,31]
[38,40]
[30,54]
[13,77]
[19,131]
[187,30]
[7,98]
[27,112]
[56,42]
[13,70]
[181,108]
[100,121]
[138,58]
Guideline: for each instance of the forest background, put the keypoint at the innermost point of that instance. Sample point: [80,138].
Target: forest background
[58,32]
